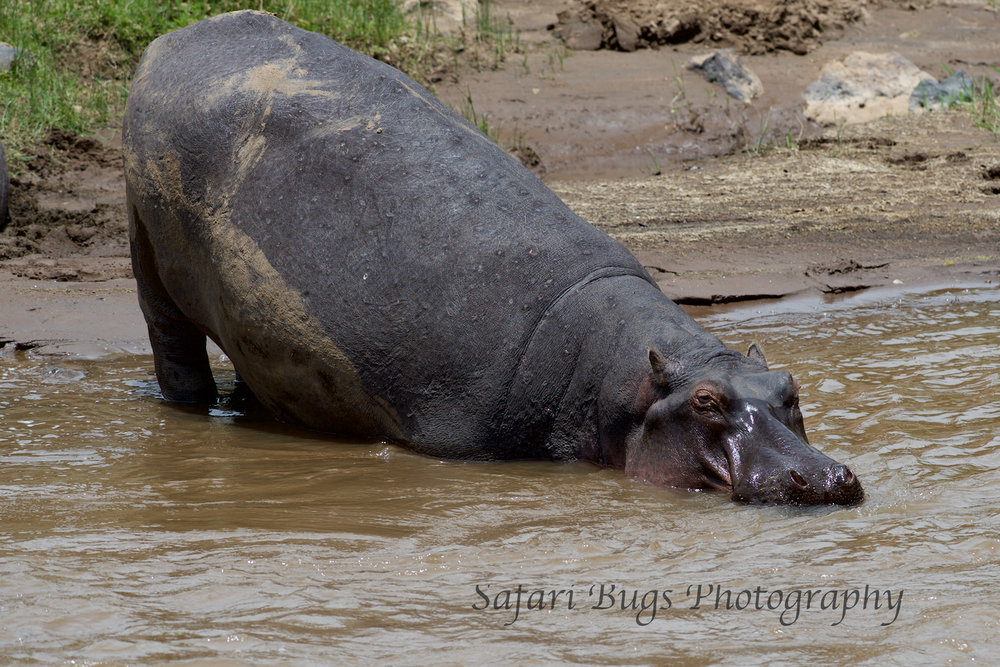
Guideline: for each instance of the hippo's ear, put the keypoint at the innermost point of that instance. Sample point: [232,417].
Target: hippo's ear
[755,353]
[663,369]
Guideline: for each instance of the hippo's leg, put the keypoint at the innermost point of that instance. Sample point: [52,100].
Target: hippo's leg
[179,353]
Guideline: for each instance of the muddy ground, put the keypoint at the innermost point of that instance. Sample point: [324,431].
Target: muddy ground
[723,201]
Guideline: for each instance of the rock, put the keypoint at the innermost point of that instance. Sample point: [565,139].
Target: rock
[677,29]
[942,94]
[863,87]
[580,33]
[725,68]
[8,54]
[626,31]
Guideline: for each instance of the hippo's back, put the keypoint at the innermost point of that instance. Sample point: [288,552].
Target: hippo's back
[290,168]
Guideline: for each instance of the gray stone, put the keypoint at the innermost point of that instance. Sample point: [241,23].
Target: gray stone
[942,94]
[8,54]
[579,33]
[725,68]
[626,31]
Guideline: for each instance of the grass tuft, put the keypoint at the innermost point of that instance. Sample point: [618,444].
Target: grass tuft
[481,121]
[980,98]
[493,34]
[984,107]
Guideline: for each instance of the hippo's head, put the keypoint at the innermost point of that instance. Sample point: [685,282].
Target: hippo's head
[735,427]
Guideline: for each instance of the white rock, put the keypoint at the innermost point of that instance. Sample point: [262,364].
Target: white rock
[863,87]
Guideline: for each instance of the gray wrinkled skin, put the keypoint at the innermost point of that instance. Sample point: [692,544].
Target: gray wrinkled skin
[375,266]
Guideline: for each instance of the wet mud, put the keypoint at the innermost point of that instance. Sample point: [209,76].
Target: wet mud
[67,212]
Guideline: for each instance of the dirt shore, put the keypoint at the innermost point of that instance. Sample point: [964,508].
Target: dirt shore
[641,147]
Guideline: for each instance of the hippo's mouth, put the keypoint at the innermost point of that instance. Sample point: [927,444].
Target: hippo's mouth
[718,474]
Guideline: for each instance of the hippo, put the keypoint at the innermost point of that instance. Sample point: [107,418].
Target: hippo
[4,191]
[374,266]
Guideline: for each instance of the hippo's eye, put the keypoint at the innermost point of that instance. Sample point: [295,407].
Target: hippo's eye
[706,399]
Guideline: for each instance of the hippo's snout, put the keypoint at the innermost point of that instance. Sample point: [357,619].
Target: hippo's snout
[833,485]
[837,486]
[777,465]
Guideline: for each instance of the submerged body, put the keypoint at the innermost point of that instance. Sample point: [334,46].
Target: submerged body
[375,266]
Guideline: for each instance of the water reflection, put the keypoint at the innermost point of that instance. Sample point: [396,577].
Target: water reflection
[135,531]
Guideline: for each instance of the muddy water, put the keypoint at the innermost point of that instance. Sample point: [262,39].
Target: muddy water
[134,531]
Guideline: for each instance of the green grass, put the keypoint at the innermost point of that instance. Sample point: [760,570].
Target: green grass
[980,98]
[493,35]
[82,52]
[983,105]
[480,120]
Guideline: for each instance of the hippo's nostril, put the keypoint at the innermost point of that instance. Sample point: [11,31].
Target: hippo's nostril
[842,474]
[797,478]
